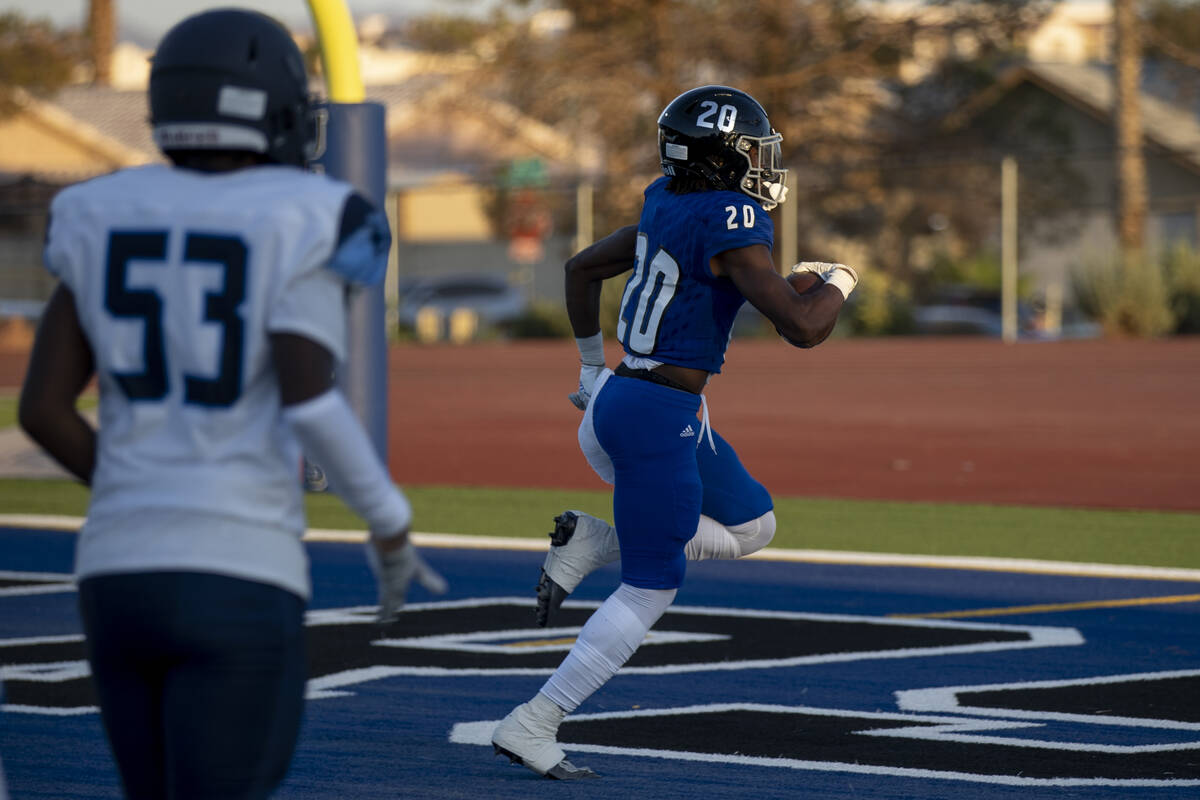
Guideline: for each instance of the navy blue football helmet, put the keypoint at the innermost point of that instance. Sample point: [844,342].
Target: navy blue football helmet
[722,135]
[232,79]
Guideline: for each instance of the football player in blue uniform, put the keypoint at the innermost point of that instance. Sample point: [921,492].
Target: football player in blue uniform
[702,248]
[208,299]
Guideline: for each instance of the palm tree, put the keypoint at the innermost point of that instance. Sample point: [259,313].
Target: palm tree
[102,29]
[1131,166]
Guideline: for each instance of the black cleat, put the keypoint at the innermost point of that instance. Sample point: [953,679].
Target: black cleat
[550,595]
[566,771]
[564,528]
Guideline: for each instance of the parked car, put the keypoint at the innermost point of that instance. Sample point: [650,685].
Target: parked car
[491,298]
[966,310]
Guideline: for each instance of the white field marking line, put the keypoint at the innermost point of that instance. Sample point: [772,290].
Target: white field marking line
[49,672]
[48,577]
[944,700]
[1039,636]
[42,522]
[845,557]
[529,640]
[965,734]
[22,641]
[479,733]
[25,591]
[78,711]
[930,727]
[364,615]
[51,583]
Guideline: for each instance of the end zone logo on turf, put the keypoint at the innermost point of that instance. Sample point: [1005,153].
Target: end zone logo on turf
[1011,734]
[495,636]
[1011,744]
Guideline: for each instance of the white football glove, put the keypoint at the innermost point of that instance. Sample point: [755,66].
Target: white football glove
[588,375]
[394,571]
[843,277]
[819,267]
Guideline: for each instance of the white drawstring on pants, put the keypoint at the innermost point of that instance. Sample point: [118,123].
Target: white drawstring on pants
[704,426]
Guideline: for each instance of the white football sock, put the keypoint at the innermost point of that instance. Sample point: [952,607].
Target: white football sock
[607,640]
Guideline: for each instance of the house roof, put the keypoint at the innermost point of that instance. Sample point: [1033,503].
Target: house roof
[435,126]
[1172,127]
[119,114]
[92,135]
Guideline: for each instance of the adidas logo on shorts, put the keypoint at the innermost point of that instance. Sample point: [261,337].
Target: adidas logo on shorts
[686,432]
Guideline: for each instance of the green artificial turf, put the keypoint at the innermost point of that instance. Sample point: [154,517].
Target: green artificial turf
[1154,538]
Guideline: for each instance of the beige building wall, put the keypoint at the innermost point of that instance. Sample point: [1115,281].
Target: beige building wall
[442,211]
[1074,33]
[29,145]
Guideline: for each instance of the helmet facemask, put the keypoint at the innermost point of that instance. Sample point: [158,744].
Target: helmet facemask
[765,178]
[316,122]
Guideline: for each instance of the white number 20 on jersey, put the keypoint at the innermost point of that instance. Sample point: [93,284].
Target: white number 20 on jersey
[747,221]
[647,294]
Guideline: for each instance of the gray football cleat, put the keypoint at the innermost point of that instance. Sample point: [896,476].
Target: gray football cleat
[530,740]
[579,544]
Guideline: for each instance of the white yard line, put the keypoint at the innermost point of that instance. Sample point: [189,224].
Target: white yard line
[456,540]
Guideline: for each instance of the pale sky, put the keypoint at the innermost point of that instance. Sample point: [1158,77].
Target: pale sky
[153,17]
[149,19]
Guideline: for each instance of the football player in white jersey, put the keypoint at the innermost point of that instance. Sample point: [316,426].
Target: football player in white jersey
[207,298]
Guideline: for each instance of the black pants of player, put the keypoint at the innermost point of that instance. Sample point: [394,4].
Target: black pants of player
[200,678]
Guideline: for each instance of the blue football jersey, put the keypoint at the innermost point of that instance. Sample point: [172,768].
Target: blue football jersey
[674,310]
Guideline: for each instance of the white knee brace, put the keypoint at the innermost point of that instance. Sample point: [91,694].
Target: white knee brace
[754,535]
[716,541]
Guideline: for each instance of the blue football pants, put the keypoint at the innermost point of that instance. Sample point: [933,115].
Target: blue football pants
[201,681]
[665,475]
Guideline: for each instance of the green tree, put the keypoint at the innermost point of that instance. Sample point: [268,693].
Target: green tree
[1172,28]
[34,57]
[829,72]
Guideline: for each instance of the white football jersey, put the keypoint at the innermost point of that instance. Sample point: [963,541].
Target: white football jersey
[179,277]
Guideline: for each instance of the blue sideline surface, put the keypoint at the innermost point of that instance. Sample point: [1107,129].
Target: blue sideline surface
[766,680]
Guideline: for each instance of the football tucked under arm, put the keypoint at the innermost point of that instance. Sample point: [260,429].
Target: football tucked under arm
[805,281]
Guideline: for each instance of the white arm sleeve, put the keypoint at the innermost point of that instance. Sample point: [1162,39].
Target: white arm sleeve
[333,438]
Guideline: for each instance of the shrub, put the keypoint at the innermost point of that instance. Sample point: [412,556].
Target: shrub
[1181,265]
[981,271]
[880,306]
[542,320]
[1128,298]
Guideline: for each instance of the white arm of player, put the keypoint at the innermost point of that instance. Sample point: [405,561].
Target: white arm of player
[333,438]
[394,571]
[591,364]
[843,277]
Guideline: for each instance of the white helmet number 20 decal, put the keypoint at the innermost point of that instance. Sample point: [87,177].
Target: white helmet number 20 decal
[726,116]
